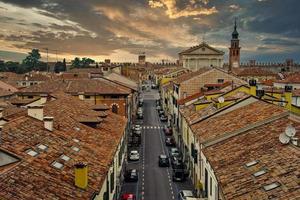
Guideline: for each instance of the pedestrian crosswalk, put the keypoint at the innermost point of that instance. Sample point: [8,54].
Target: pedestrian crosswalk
[152,127]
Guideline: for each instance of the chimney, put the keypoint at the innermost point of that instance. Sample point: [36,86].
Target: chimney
[81,175]
[1,113]
[36,112]
[43,98]
[1,127]
[48,123]
[252,84]
[288,96]
[81,95]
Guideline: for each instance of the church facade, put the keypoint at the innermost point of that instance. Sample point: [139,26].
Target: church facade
[201,56]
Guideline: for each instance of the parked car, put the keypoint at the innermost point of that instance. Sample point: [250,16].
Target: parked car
[174,152]
[137,127]
[140,110]
[161,112]
[163,161]
[140,116]
[131,175]
[168,131]
[141,102]
[134,141]
[170,142]
[154,86]
[177,162]
[183,194]
[134,155]
[158,108]
[163,118]
[137,132]
[178,175]
[128,196]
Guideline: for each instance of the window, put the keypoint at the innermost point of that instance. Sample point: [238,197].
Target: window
[271,186]
[260,172]
[114,109]
[57,165]
[42,147]
[75,140]
[32,152]
[7,159]
[112,182]
[31,83]
[220,80]
[252,163]
[87,96]
[30,97]
[210,186]
[65,158]
[75,149]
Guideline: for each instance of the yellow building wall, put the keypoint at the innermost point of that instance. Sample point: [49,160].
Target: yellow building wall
[201,106]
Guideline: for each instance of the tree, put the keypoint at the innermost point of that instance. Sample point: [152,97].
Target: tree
[59,67]
[87,61]
[64,65]
[76,62]
[32,60]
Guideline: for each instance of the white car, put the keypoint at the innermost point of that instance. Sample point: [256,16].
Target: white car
[137,127]
[134,155]
[183,194]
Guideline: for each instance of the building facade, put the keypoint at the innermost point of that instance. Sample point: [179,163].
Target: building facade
[201,56]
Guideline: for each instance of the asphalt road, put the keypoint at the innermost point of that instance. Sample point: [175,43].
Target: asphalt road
[155,183]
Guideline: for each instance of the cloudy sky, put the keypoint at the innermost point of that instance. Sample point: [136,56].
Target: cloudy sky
[120,29]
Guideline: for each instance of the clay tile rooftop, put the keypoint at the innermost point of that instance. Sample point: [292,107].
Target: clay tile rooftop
[256,165]
[44,160]
[218,126]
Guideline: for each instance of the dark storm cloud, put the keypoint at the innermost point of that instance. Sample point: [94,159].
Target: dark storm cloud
[104,26]
[280,42]
[276,17]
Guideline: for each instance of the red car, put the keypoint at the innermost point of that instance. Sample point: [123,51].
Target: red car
[168,131]
[128,196]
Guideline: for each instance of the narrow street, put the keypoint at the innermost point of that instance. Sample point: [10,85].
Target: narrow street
[154,183]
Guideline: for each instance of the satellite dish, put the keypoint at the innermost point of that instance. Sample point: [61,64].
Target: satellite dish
[290,131]
[284,139]
[221,99]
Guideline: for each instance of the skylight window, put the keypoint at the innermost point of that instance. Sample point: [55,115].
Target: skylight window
[42,147]
[260,172]
[75,149]
[65,158]
[57,165]
[75,140]
[271,186]
[32,152]
[6,158]
[252,163]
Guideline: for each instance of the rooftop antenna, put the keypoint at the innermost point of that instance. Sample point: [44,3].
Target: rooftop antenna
[47,57]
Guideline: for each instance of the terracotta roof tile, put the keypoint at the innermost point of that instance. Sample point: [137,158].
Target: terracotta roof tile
[290,78]
[187,76]
[228,159]
[34,177]
[252,71]
[217,126]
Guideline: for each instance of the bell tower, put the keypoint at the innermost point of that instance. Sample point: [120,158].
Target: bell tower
[234,49]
